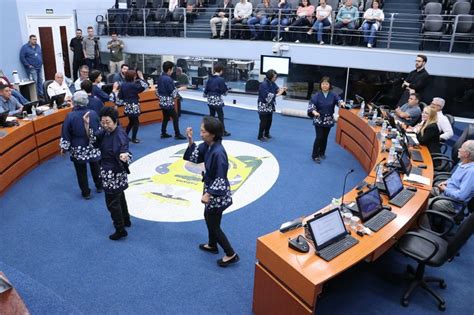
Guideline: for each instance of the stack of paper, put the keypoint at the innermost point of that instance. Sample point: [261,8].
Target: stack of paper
[417,179]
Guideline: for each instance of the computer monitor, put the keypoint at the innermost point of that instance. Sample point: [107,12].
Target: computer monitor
[58,99]
[393,184]
[196,81]
[369,204]
[280,64]
[326,228]
[3,118]
[28,106]
[405,162]
[391,121]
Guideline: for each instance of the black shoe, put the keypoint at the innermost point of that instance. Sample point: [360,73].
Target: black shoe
[165,135]
[136,140]
[268,136]
[99,190]
[323,157]
[226,134]
[204,247]
[180,137]
[262,139]
[87,197]
[127,223]
[231,261]
[119,233]
[221,37]
[214,37]
[317,160]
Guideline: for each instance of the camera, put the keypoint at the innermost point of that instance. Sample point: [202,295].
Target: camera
[96,38]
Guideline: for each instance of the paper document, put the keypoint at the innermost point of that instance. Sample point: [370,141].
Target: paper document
[413,137]
[11,118]
[417,179]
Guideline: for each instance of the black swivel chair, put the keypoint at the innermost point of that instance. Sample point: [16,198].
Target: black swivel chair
[446,164]
[433,249]
[45,89]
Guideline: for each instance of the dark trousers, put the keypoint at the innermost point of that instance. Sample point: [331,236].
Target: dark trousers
[167,114]
[117,206]
[321,141]
[220,113]
[133,124]
[216,235]
[81,174]
[265,124]
[76,64]
[91,63]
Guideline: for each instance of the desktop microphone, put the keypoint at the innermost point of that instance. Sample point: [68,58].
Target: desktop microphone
[344,188]
[376,171]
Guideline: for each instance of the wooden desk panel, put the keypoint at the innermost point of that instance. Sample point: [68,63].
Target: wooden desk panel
[57,118]
[11,156]
[351,145]
[15,135]
[21,167]
[48,134]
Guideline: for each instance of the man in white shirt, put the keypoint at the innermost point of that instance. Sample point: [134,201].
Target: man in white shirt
[83,75]
[242,11]
[444,125]
[58,86]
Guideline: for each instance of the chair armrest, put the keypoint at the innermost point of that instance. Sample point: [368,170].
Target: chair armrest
[459,216]
[438,155]
[433,213]
[414,234]
[445,162]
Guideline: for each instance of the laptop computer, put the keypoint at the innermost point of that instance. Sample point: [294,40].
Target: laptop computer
[398,195]
[371,210]
[405,164]
[28,106]
[3,118]
[329,234]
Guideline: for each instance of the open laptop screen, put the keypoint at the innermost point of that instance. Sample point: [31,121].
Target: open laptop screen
[326,228]
[393,184]
[405,162]
[369,204]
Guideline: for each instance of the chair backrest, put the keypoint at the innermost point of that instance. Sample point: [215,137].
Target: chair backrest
[294,4]
[178,15]
[425,2]
[465,23]
[433,8]
[461,8]
[202,71]
[252,86]
[110,78]
[433,23]
[45,89]
[463,233]
[157,4]
[450,119]
[139,4]
[467,134]
[160,14]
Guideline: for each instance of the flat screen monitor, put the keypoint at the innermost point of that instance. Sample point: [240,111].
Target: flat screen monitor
[393,184]
[280,64]
[327,228]
[369,204]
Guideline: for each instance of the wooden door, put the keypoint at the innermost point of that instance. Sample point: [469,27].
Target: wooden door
[65,51]
[47,47]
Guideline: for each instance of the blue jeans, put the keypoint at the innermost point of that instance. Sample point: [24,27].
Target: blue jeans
[19,97]
[370,29]
[318,27]
[284,22]
[257,20]
[37,76]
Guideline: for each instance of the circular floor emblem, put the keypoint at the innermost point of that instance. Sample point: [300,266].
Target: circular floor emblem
[163,187]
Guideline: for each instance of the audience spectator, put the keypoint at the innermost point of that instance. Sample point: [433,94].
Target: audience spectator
[96,78]
[83,75]
[282,19]
[304,18]
[416,81]
[32,59]
[90,46]
[115,47]
[261,15]
[7,102]
[323,19]
[444,125]
[242,12]
[181,77]
[373,19]
[58,86]
[346,19]
[409,113]
[19,97]
[359,4]
[120,76]
[427,130]
[460,186]
[76,47]
[94,104]
[221,16]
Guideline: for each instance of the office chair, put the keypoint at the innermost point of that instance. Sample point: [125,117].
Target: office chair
[45,89]
[432,249]
[444,147]
[252,86]
[446,164]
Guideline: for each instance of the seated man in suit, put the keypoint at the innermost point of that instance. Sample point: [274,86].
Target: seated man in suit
[58,86]
[7,102]
[460,186]
[221,16]
[409,113]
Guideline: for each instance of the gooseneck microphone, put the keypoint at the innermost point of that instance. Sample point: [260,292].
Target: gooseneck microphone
[376,171]
[344,188]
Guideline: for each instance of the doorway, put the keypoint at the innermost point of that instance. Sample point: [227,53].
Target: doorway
[54,34]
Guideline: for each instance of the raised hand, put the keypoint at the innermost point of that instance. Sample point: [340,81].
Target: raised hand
[189,133]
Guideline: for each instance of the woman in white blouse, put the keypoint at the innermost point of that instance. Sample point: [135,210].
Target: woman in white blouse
[373,19]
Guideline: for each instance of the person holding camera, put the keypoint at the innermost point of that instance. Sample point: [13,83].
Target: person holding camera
[115,47]
[90,45]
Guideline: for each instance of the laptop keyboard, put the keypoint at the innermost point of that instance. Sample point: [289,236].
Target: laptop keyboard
[402,198]
[334,250]
[416,156]
[380,220]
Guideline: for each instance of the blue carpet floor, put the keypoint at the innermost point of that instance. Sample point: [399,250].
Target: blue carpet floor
[54,245]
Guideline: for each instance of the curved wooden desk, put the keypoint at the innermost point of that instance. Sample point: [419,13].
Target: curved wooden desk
[288,282]
[25,146]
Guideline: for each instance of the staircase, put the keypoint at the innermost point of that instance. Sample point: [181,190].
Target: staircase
[406,26]
[200,27]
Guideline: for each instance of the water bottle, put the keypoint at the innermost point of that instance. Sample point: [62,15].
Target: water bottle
[16,77]
[391,153]
[379,177]
[374,117]
[55,106]
[33,112]
[362,109]
[384,128]
[383,139]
